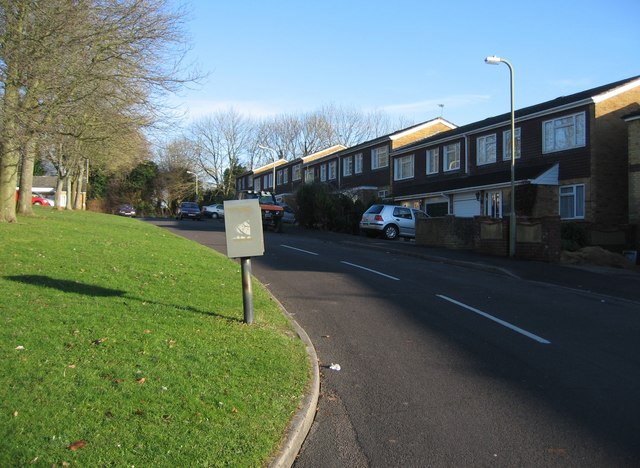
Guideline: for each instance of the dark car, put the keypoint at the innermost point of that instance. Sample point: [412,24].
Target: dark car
[126,210]
[189,210]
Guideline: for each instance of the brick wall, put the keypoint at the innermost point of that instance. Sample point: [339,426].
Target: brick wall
[634,171]
[537,238]
[609,157]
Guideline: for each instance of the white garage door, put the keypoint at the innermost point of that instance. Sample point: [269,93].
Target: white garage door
[465,205]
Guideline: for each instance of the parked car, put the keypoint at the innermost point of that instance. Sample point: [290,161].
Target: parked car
[289,215]
[126,210]
[213,211]
[391,221]
[271,212]
[36,199]
[189,210]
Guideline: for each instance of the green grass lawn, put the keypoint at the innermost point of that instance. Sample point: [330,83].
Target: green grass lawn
[122,344]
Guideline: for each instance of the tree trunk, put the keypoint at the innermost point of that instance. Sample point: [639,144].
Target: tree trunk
[26,179]
[10,157]
[77,199]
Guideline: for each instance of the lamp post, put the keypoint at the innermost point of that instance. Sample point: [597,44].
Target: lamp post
[195,174]
[275,155]
[493,60]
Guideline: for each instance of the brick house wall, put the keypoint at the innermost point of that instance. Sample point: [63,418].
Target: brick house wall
[634,169]
[609,158]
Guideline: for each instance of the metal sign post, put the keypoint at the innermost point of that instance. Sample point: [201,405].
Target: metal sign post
[243,230]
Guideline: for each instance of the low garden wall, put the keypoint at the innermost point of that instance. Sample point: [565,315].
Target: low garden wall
[536,238]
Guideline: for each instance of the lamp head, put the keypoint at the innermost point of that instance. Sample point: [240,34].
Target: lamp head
[493,60]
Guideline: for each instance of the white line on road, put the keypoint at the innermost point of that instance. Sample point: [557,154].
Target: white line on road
[497,320]
[299,250]
[372,271]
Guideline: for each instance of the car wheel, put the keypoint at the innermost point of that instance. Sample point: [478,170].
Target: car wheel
[390,232]
[215,215]
[37,203]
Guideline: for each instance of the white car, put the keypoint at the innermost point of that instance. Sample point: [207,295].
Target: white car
[213,211]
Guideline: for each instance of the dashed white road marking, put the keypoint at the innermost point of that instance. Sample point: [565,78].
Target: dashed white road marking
[497,320]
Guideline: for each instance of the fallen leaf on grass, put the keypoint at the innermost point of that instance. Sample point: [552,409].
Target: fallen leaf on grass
[119,380]
[146,332]
[78,444]
[20,347]
[171,343]
[234,410]
[71,366]
[99,341]
[141,380]
[15,414]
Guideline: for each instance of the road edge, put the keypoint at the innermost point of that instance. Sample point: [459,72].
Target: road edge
[301,423]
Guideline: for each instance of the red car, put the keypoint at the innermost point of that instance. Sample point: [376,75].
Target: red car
[36,199]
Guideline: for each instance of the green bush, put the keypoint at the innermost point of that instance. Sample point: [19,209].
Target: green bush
[318,208]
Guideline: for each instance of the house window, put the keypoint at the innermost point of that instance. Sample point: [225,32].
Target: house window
[572,202]
[347,166]
[486,149]
[309,174]
[332,170]
[506,144]
[268,181]
[452,157]
[296,172]
[256,184]
[492,205]
[403,168]
[563,133]
[279,177]
[285,176]
[379,157]
[323,173]
[357,164]
[433,160]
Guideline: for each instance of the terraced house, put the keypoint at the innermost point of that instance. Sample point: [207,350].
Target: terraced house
[359,171]
[572,163]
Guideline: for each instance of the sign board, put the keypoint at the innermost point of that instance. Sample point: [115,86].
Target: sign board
[243,228]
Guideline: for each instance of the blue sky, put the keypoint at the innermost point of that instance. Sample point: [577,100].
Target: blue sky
[404,57]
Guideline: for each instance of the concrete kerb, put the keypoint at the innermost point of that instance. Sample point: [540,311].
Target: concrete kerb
[300,424]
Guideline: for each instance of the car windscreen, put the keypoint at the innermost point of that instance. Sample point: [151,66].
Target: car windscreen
[375,209]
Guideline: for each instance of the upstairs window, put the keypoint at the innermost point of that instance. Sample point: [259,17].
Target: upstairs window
[433,161]
[332,170]
[309,175]
[279,177]
[296,175]
[323,173]
[379,157]
[564,133]
[486,149]
[347,166]
[506,144]
[452,157]
[403,168]
[357,164]
[285,176]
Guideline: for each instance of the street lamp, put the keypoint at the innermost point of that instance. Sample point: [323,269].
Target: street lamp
[275,155]
[493,60]
[195,174]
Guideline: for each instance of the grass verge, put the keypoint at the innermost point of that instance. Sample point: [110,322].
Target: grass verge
[122,344]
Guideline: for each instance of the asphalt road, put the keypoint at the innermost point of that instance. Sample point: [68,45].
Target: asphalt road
[442,365]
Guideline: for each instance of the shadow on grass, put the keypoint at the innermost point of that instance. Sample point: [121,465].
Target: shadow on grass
[98,291]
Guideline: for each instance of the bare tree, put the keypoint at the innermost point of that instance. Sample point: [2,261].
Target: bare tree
[220,140]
